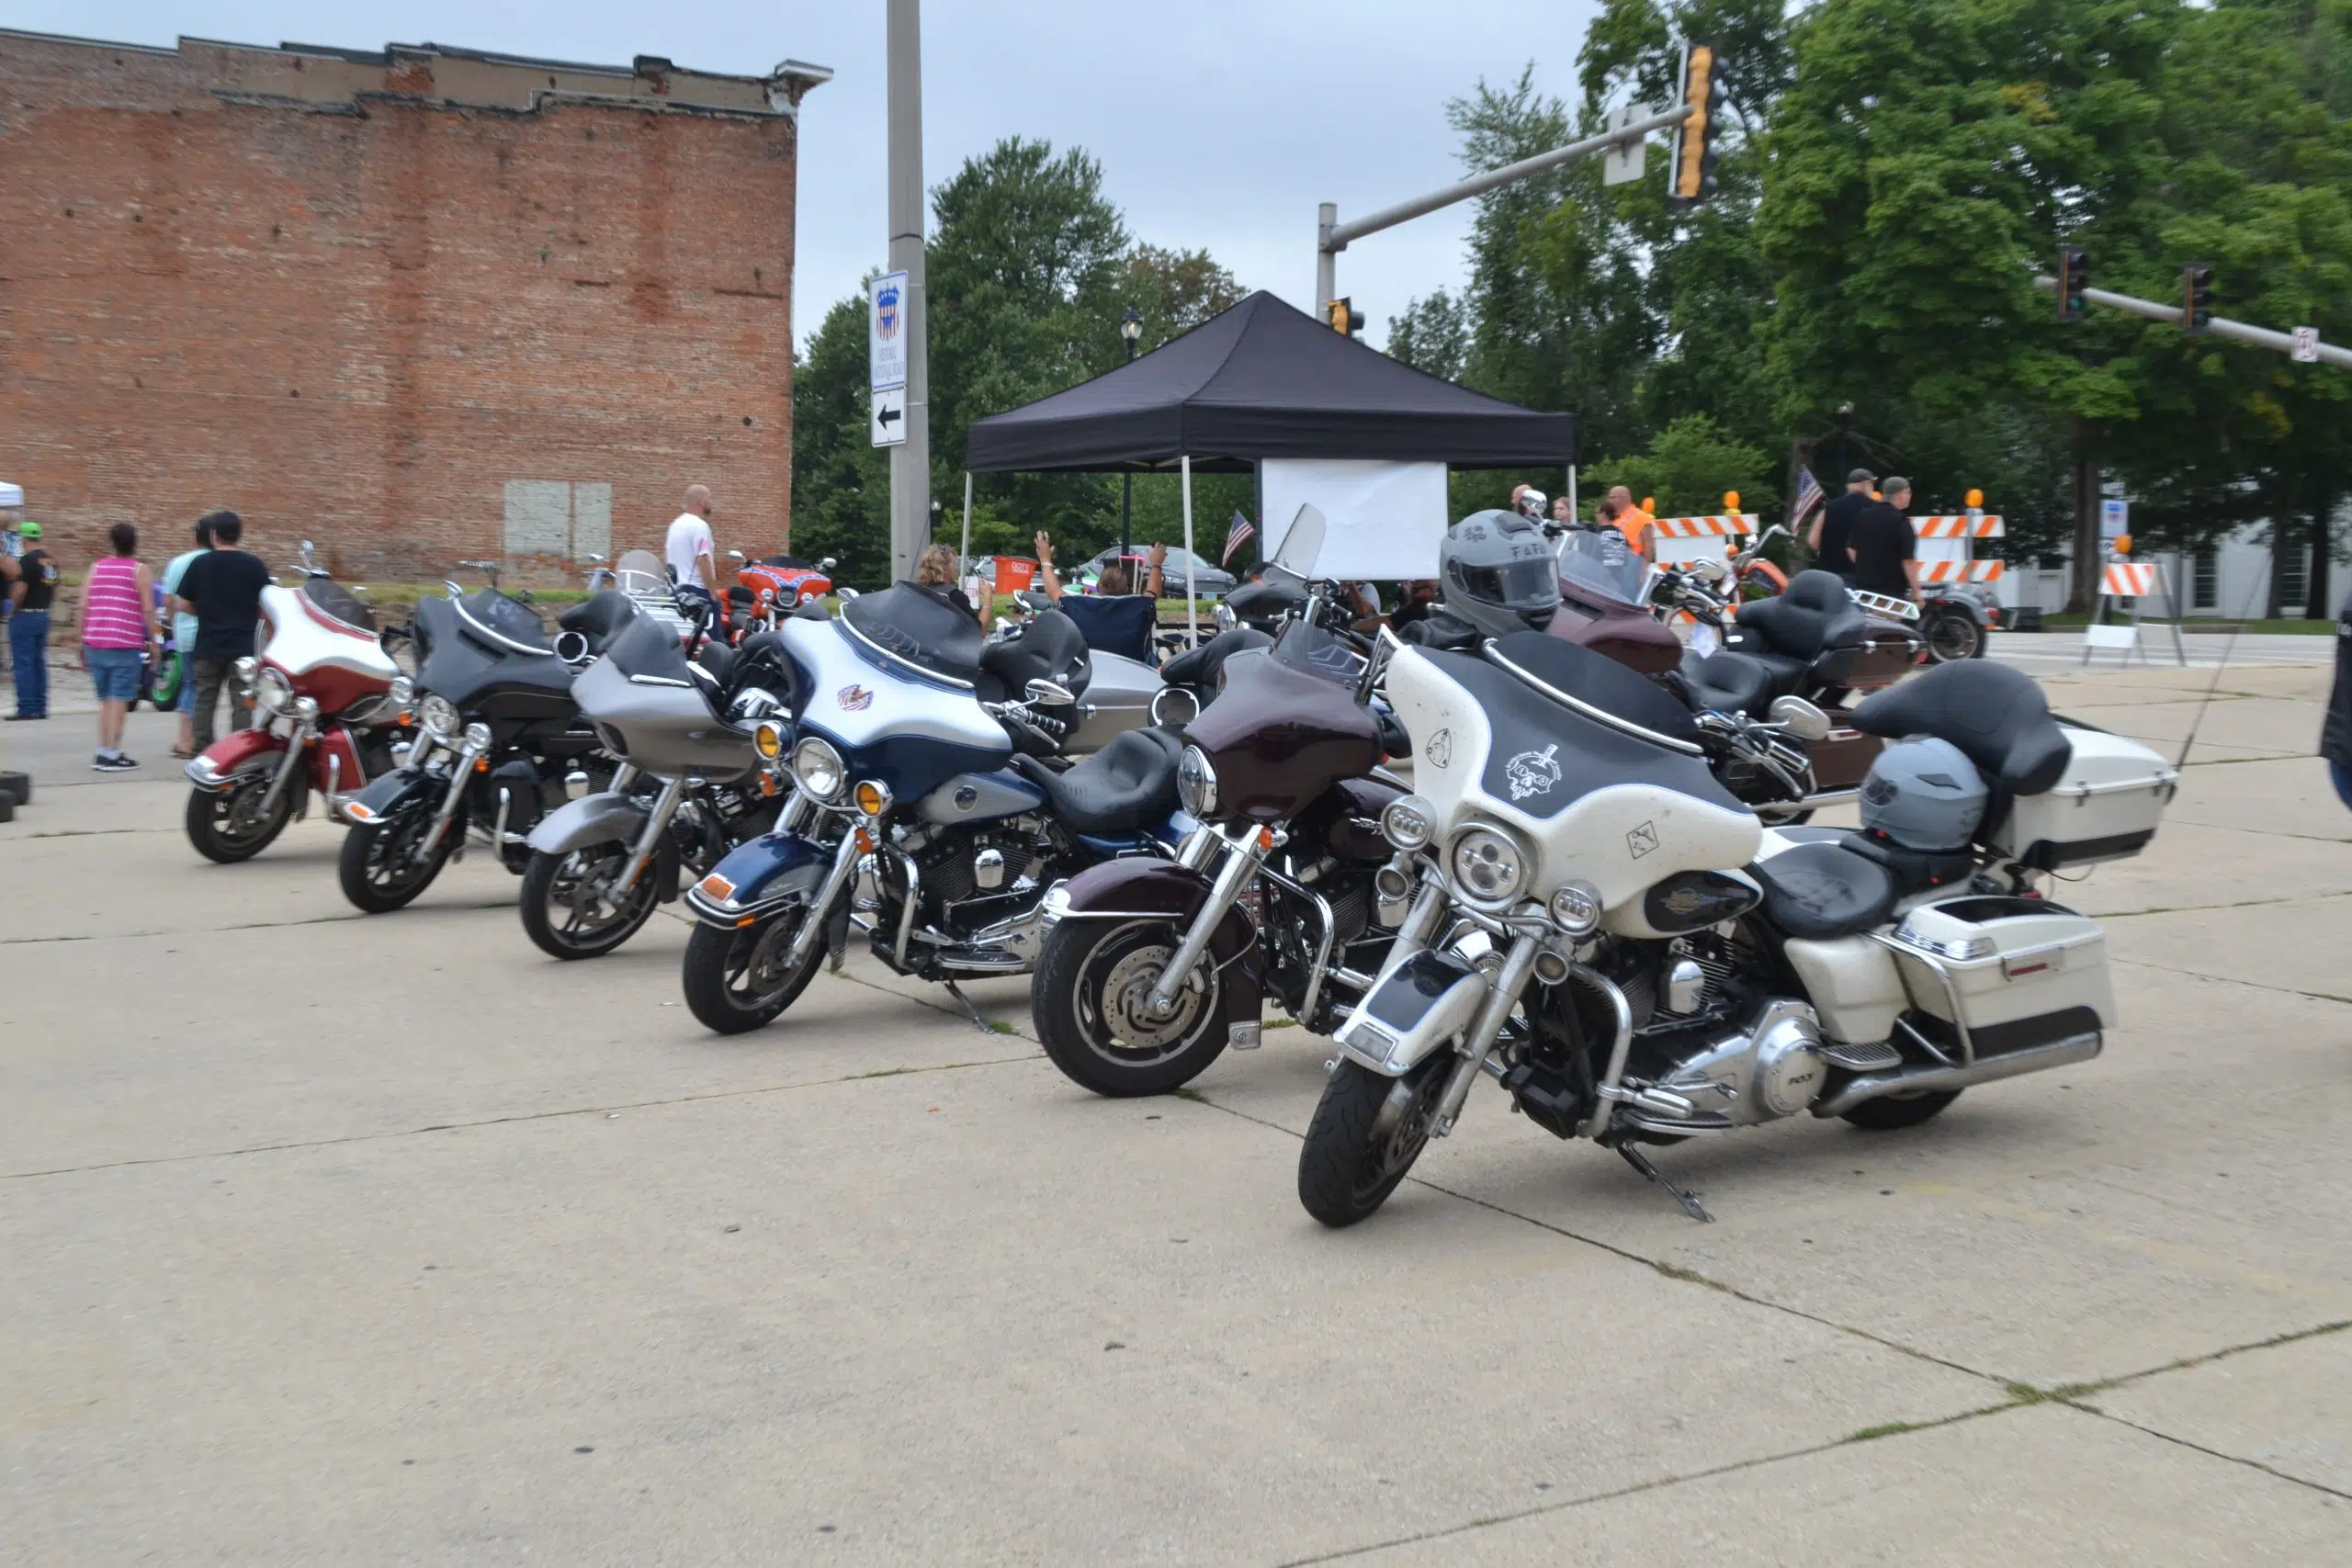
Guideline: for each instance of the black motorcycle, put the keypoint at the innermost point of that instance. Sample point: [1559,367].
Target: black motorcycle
[500,742]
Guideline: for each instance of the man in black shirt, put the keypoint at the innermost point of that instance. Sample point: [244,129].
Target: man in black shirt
[1833,532]
[1886,547]
[29,583]
[222,590]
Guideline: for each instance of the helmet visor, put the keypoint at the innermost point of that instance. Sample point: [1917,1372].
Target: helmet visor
[1517,585]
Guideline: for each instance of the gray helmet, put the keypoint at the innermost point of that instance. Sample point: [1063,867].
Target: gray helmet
[1497,571]
[1924,793]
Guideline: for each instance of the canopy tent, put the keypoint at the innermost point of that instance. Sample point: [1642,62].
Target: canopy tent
[1262,380]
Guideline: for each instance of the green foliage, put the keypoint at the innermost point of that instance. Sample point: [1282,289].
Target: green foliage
[1687,470]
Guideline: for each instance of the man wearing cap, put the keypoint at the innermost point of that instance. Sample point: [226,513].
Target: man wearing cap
[31,583]
[1832,534]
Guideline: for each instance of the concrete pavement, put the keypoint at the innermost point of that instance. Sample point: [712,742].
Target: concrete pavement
[334,1240]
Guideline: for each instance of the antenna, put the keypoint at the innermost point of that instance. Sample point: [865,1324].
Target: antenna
[2239,630]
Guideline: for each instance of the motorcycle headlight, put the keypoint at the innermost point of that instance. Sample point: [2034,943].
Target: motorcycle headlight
[1196,782]
[306,709]
[1576,908]
[273,693]
[438,714]
[1488,867]
[1407,821]
[402,693]
[816,768]
[478,736]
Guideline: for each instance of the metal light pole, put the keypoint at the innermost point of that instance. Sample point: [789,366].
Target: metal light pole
[910,460]
[1131,330]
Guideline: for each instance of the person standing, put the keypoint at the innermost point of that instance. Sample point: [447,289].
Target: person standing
[31,581]
[117,637]
[1886,547]
[691,553]
[221,588]
[2336,736]
[184,637]
[1831,535]
[1638,526]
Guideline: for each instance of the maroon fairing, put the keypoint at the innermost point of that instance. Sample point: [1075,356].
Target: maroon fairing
[1278,737]
[1632,636]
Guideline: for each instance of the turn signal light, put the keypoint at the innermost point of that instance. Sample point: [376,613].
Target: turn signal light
[718,886]
[873,797]
[768,740]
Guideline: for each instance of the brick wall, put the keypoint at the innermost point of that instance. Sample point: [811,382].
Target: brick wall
[316,290]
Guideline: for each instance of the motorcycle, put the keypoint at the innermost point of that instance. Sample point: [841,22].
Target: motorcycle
[1664,966]
[921,792]
[767,590]
[691,786]
[325,719]
[499,741]
[1151,970]
[1957,621]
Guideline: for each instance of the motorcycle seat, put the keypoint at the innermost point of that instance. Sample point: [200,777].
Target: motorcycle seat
[1817,891]
[1814,616]
[1199,667]
[1729,683]
[598,616]
[1997,716]
[1126,786]
[1914,871]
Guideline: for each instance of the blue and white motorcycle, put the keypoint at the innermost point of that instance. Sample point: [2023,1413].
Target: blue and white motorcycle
[922,803]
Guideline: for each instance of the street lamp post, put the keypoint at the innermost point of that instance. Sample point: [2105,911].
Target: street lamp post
[1131,331]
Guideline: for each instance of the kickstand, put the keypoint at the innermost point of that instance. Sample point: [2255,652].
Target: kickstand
[1641,1162]
[984,1025]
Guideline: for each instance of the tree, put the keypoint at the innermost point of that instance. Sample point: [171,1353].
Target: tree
[1688,468]
[1175,291]
[1434,334]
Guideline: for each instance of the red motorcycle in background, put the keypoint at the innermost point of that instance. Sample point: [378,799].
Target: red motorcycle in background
[327,700]
[768,589]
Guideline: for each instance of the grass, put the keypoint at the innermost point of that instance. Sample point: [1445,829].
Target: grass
[2285,626]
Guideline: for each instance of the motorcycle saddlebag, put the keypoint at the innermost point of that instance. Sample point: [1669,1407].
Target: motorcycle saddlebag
[2023,972]
[2104,806]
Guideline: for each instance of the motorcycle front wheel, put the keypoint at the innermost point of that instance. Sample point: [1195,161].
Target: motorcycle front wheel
[1089,998]
[1367,1131]
[380,869]
[230,826]
[739,979]
[566,908]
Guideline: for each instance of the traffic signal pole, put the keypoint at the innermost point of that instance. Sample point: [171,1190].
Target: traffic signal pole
[2220,326]
[1332,236]
[910,459]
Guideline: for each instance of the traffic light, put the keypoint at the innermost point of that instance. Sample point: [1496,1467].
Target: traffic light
[2074,283]
[2197,297]
[1345,318]
[1692,177]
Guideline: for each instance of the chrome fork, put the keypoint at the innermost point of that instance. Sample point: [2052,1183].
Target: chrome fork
[664,808]
[1243,856]
[1479,1044]
[844,863]
[461,776]
[296,744]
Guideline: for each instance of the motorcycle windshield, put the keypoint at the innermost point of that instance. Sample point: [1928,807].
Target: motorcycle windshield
[332,599]
[1318,650]
[641,571]
[465,655]
[1604,566]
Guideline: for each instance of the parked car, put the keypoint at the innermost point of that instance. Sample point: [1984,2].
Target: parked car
[1212,581]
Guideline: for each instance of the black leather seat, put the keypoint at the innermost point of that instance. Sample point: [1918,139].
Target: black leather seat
[1997,716]
[1820,890]
[1815,615]
[1127,785]
[1198,667]
[598,616]
[1729,683]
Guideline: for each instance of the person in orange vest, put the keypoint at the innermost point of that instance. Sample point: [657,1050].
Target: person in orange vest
[1639,527]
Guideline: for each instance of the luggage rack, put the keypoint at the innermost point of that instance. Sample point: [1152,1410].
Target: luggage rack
[1885,604]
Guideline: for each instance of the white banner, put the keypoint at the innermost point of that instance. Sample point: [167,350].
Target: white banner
[1384,521]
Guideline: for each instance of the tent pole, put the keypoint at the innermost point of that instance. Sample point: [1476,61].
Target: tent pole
[1192,562]
[967,553]
[1572,492]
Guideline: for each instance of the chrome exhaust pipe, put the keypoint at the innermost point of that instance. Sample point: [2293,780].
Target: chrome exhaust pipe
[2009,1064]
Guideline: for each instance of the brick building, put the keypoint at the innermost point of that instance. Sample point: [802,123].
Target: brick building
[418,305]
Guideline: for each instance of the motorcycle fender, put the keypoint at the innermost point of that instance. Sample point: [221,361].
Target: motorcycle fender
[1140,888]
[401,790]
[605,817]
[339,744]
[761,874]
[217,768]
[1417,1007]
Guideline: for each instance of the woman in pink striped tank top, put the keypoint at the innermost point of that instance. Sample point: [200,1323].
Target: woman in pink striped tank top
[117,637]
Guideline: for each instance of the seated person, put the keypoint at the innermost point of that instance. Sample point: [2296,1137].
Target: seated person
[1114,618]
[1363,601]
[1414,602]
[935,575]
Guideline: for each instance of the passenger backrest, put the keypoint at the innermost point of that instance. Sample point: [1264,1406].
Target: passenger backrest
[1814,615]
[1996,717]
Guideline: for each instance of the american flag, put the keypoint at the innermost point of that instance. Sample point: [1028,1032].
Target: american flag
[1808,496]
[1235,535]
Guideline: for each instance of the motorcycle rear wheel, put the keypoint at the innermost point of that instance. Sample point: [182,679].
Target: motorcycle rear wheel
[1088,1000]
[1367,1131]
[222,825]
[736,980]
[1952,637]
[554,887]
[378,872]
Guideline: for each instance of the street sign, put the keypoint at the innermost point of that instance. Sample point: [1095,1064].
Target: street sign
[887,428]
[885,337]
[2306,349]
[2114,520]
[1625,160]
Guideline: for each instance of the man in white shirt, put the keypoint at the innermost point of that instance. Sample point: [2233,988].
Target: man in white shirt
[690,554]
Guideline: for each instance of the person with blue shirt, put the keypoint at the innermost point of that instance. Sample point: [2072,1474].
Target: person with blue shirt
[1114,618]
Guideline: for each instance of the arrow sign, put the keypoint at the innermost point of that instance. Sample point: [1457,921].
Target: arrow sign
[888,426]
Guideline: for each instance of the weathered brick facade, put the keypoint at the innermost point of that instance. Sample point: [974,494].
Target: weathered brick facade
[418,305]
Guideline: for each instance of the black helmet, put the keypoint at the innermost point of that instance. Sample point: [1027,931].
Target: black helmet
[1498,572]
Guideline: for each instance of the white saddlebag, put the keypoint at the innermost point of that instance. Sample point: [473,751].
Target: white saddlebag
[2021,972]
[2105,807]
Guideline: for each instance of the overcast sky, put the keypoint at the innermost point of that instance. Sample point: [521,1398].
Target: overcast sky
[1219,122]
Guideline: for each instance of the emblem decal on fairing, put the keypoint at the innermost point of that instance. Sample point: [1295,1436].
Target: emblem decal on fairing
[1439,750]
[1642,840]
[1532,772]
[855,699]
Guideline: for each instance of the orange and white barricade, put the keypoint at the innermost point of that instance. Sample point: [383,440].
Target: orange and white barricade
[2134,581]
[1947,550]
[1684,539]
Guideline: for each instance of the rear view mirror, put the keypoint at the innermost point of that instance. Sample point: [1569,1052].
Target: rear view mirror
[827,564]
[734,555]
[1710,571]
[1800,718]
[1051,693]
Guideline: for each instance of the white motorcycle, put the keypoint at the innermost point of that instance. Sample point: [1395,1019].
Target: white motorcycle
[1636,959]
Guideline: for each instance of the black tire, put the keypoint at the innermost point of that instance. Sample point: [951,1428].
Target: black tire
[1086,997]
[1895,1112]
[164,683]
[733,978]
[377,874]
[1952,636]
[551,912]
[1777,818]
[1367,1131]
[19,785]
[224,826]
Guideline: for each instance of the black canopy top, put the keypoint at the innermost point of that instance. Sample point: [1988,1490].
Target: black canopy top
[1262,381]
